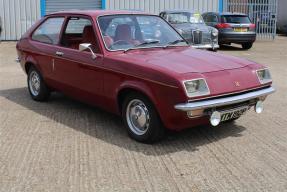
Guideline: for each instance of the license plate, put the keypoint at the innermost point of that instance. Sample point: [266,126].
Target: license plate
[233,114]
[240,29]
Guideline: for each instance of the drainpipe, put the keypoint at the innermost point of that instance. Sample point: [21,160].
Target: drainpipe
[43,8]
[220,6]
[103,4]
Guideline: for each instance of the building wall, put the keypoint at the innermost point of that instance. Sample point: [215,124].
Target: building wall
[17,16]
[59,5]
[156,6]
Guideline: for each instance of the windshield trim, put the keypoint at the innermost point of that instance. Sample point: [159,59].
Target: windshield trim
[135,48]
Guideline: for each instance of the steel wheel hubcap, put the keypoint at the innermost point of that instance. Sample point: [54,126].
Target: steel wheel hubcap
[34,83]
[137,116]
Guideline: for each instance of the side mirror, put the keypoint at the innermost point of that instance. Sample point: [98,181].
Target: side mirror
[85,46]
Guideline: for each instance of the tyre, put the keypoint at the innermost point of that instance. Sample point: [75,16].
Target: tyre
[246,46]
[141,119]
[213,50]
[36,85]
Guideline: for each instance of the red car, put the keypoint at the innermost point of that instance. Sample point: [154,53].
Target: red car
[155,81]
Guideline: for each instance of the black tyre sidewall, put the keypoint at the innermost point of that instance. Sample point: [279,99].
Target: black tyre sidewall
[155,131]
[44,91]
[247,46]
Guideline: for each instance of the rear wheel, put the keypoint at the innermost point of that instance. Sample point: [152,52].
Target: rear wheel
[36,85]
[141,119]
[246,46]
[213,49]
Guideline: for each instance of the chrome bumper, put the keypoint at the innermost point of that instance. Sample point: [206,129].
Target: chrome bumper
[17,60]
[211,103]
[206,46]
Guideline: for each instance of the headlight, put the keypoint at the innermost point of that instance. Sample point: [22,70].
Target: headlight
[214,32]
[264,76]
[196,87]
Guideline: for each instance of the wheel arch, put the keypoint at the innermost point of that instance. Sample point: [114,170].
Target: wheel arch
[30,61]
[134,87]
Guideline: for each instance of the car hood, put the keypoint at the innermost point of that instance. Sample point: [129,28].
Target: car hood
[182,60]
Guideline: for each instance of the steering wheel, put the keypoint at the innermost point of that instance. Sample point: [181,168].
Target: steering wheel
[121,42]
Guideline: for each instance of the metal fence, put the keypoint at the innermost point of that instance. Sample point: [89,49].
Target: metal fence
[263,13]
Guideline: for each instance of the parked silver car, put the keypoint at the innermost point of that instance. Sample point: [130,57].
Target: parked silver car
[193,28]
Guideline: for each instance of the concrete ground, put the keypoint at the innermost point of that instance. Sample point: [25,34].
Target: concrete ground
[64,145]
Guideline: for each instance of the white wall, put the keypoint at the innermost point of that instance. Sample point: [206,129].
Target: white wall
[17,16]
[156,6]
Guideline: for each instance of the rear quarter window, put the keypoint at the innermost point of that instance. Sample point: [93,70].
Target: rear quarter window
[49,31]
[235,19]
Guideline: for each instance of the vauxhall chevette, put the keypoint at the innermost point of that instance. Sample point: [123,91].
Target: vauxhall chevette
[151,77]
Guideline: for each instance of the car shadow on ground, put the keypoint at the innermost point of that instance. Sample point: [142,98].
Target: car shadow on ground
[109,128]
[231,47]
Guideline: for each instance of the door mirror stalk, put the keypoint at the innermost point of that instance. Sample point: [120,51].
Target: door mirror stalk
[85,46]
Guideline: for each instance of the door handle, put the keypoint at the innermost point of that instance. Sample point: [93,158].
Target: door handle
[59,53]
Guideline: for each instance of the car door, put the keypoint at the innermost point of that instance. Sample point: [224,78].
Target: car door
[44,39]
[77,72]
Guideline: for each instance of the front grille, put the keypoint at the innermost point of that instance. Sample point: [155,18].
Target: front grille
[206,38]
[197,37]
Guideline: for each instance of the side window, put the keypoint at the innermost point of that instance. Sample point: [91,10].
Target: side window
[79,30]
[213,19]
[163,15]
[49,31]
[77,25]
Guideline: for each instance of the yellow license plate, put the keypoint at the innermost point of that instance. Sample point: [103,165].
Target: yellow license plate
[240,29]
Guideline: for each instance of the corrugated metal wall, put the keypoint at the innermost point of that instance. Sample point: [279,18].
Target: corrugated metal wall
[59,5]
[17,16]
[156,6]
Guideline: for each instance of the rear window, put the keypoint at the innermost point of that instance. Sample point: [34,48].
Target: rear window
[235,19]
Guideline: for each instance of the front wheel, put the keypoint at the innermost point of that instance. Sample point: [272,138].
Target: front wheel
[246,46]
[141,119]
[36,85]
[213,49]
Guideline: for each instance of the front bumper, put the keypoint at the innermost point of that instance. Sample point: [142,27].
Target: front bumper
[224,101]
[206,46]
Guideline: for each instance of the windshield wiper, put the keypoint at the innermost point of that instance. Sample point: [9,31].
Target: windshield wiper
[176,42]
[141,44]
[147,43]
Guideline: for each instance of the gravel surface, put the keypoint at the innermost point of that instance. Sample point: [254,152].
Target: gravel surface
[64,145]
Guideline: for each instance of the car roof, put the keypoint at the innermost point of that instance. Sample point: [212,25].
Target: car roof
[229,13]
[96,13]
[179,11]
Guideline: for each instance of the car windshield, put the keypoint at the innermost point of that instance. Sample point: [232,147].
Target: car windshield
[123,32]
[235,19]
[185,17]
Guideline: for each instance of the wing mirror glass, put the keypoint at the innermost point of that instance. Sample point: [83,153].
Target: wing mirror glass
[87,46]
